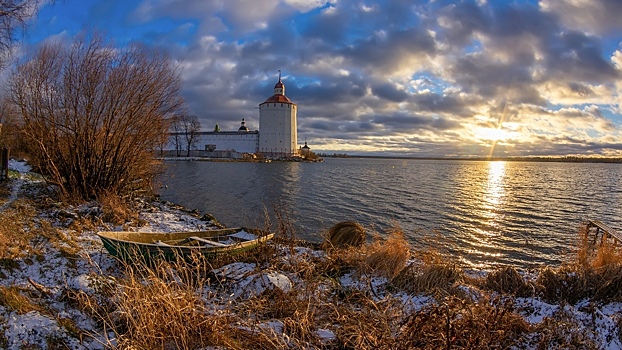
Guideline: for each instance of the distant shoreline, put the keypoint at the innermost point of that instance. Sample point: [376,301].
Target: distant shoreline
[475,159]
[491,159]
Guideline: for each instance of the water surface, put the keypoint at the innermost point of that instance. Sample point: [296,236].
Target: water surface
[486,213]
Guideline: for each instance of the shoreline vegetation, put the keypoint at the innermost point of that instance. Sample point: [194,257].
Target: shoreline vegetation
[60,289]
[566,159]
[322,156]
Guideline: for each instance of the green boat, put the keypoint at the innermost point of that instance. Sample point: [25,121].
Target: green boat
[171,246]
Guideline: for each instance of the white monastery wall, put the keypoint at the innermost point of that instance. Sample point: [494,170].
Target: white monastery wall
[277,124]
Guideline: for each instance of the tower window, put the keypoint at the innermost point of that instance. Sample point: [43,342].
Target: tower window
[275,105]
[281,105]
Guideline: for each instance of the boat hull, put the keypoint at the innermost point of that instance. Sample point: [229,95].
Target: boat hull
[149,247]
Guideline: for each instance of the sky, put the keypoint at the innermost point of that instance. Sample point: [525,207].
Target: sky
[403,78]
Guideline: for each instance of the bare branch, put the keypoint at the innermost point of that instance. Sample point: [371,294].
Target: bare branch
[94,115]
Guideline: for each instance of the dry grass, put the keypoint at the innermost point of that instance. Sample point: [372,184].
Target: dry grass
[17,229]
[14,299]
[595,272]
[181,305]
[388,257]
[116,210]
[508,281]
[345,234]
[437,279]
[363,323]
[607,255]
[562,332]
[459,324]
[159,308]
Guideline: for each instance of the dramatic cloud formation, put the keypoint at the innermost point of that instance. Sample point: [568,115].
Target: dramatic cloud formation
[435,78]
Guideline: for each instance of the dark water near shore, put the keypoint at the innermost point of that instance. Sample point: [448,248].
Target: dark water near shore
[486,213]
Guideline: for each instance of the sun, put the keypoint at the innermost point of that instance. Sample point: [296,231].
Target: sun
[493,134]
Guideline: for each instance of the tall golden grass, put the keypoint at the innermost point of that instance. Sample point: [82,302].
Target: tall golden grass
[183,306]
[594,271]
[508,280]
[455,323]
[17,229]
[167,306]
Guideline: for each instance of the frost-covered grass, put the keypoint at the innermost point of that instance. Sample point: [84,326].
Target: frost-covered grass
[60,289]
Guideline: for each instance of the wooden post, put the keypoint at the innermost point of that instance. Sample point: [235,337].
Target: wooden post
[4,164]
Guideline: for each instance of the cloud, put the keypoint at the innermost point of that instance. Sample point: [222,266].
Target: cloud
[306,5]
[404,77]
[593,16]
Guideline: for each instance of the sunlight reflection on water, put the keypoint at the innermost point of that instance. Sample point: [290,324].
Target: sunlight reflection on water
[487,213]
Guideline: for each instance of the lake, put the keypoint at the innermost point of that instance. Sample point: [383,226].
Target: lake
[485,213]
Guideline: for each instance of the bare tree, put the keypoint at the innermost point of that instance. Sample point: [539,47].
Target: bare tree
[176,134]
[8,124]
[93,114]
[190,127]
[14,15]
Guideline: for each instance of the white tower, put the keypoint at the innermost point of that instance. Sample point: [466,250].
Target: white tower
[278,136]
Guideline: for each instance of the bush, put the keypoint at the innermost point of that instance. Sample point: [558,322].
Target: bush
[92,115]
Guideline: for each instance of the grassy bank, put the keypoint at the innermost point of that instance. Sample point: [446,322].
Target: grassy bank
[381,294]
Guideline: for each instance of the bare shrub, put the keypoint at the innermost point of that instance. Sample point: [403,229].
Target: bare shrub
[93,114]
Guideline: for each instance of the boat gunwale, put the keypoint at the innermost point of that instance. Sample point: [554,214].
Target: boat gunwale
[107,235]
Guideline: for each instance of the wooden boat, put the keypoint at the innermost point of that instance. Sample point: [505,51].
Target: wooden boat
[171,246]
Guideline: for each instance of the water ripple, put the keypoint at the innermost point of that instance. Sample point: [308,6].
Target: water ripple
[486,213]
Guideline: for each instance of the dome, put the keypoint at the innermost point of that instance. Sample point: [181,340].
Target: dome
[279,85]
[243,126]
[278,98]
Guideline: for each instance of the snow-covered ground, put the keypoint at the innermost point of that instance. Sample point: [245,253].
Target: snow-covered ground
[51,275]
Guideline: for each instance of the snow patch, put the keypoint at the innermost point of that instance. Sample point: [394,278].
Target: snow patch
[256,284]
[534,311]
[235,271]
[19,166]
[32,330]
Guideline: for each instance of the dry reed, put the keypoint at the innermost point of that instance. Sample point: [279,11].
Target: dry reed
[595,273]
[508,281]
[14,299]
[459,324]
[345,234]
[388,257]
[436,279]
